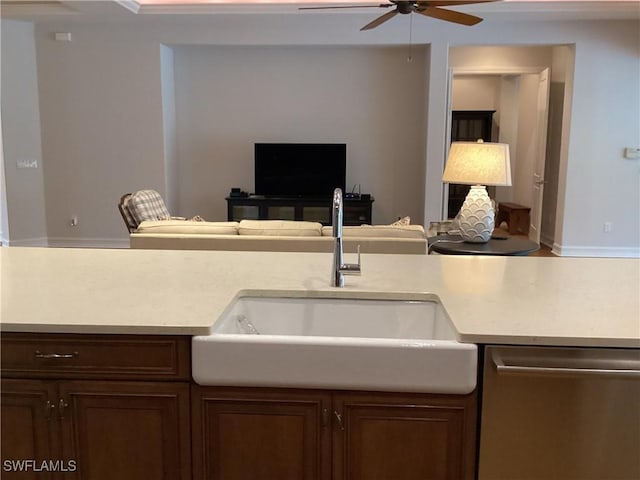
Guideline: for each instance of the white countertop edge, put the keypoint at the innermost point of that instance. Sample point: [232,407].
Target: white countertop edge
[520,340]
[87,329]
[205,330]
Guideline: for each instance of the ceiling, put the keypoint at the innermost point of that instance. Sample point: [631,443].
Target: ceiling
[114,10]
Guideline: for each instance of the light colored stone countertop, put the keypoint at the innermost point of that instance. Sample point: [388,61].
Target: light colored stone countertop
[514,300]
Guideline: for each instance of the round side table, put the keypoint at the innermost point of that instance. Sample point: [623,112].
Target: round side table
[454,245]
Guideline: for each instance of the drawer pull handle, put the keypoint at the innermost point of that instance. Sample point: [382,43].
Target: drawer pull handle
[48,408]
[39,354]
[62,405]
[339,419]
[325,417]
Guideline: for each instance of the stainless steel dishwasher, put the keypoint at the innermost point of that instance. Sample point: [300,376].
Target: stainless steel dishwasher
[560,414]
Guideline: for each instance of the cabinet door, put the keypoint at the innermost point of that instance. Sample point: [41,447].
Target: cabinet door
[404,437]
[260,434]
[126,430]
[28,426]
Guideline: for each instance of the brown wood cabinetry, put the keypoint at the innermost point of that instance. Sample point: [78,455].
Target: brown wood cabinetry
[308,434]
[27,431]
[117,407]
[385,436]
[63,399]
[260,434]
[356,210]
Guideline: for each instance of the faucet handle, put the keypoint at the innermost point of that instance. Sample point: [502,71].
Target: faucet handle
[352,268]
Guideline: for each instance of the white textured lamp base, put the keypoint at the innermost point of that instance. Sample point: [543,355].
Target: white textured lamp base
[477,216]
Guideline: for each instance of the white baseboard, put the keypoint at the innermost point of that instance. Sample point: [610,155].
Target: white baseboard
[63,242]
[27,242]
[605,252]
[546,240]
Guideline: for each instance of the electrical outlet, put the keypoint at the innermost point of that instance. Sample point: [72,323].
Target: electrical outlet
[632,152]
[608,227]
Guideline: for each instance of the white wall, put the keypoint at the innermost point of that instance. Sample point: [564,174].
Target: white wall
[169,129]
[102,128]
[106,85]
[4,215]
[527,141]
[229,97]
[25,202]
[476,92]
[508,128]
[601,185]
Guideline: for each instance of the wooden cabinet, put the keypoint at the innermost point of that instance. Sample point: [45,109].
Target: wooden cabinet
[105,407]
[60,404]
[308,434]
[260,434]
[404,437]
[27,430]
[356,210]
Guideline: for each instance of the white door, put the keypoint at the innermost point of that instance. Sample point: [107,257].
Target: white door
[540,157]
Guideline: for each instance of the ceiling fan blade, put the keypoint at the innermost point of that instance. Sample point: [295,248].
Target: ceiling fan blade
[346,6]
[449,15]
[380,20]
[450,3]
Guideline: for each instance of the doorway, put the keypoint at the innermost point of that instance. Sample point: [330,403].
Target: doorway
[519,100]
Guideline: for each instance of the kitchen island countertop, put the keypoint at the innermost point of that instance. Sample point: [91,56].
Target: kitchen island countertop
[498,300]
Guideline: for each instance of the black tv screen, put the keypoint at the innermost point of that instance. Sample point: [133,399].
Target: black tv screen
[299,169]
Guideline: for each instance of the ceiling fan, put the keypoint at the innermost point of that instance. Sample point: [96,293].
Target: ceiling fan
[429,8]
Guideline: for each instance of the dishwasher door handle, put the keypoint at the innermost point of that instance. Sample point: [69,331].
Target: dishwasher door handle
[612,367]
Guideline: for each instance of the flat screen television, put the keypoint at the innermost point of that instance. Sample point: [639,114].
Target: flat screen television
[299,169]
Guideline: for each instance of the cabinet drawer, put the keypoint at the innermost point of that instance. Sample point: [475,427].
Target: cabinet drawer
[33,355]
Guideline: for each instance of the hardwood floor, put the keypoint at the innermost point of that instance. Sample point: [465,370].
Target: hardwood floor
[544,251]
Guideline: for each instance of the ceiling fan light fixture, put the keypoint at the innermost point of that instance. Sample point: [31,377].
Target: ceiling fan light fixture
[428,8]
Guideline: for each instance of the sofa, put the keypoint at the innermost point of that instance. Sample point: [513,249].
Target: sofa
[276,236]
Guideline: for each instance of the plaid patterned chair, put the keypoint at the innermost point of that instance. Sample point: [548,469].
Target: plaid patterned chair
[123,207]
[143,205]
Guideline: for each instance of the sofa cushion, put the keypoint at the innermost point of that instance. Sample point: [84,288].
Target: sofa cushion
[187,226]
[380,231]
[289,228]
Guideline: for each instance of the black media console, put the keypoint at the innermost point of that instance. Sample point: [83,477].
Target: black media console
[357,211]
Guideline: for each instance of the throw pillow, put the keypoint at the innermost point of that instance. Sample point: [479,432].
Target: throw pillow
[402,222]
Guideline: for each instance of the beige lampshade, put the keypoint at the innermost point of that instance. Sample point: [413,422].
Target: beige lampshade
[478,163]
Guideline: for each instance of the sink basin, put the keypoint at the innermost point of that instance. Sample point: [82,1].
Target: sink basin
[341,343]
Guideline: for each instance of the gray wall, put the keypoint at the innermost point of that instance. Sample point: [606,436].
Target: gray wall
[26,224]
[103,131]
[230,97]
[102,128]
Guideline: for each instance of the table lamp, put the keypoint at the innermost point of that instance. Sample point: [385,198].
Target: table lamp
[477,164]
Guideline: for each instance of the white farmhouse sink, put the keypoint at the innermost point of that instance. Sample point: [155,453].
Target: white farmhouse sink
[341,343]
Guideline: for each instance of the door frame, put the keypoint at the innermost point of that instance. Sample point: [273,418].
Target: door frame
[493,71]
[538,180]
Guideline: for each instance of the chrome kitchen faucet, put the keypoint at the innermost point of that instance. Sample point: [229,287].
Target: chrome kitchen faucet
[340,269]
